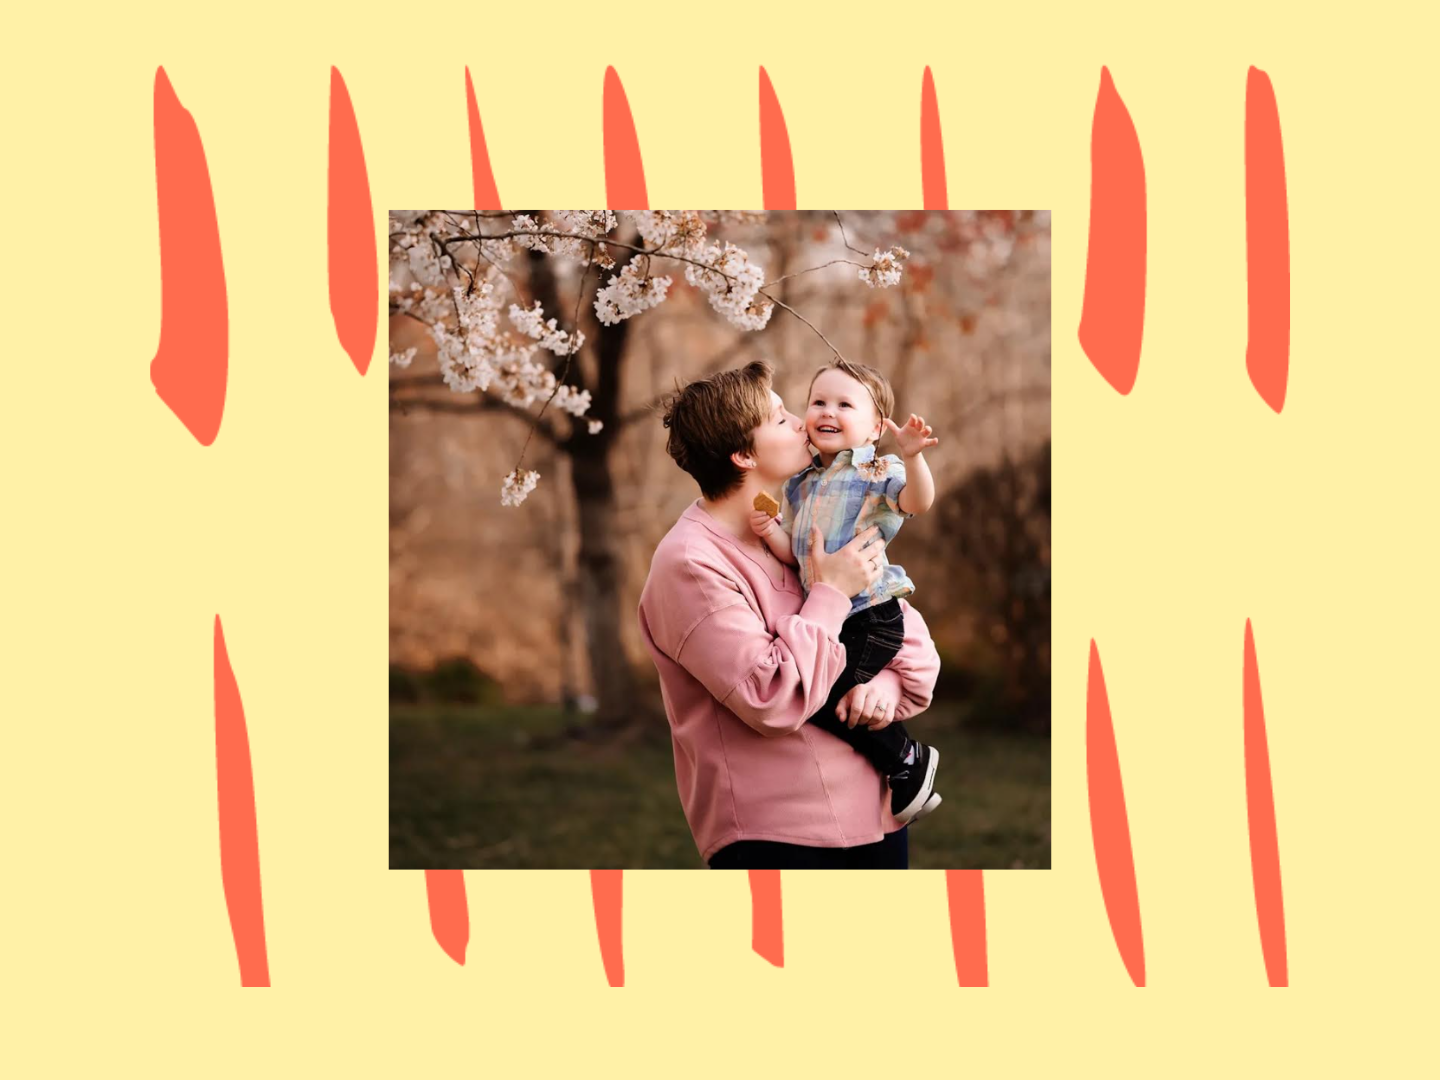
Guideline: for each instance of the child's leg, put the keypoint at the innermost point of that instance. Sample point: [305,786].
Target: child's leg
[871,638]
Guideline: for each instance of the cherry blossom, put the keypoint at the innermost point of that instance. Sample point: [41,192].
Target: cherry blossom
[628,293]
[452,272]
[732,282]
[517,485]
[886,269]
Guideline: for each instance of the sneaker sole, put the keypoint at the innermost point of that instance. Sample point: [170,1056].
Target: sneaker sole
[930,804]
[921,804]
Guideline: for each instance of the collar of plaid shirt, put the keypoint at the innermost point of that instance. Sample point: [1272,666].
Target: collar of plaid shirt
[858,456]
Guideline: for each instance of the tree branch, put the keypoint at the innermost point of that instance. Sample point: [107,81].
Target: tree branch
[463,404]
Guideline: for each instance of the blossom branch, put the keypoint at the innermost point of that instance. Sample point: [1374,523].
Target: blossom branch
[466,405]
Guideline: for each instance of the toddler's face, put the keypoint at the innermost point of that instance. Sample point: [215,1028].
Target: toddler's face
[841,414]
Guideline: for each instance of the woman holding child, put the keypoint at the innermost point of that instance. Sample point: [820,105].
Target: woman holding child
[787,656]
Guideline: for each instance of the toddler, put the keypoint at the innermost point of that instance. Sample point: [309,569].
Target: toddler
[846,489]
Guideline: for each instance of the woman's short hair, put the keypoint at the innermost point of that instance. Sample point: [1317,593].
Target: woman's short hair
[714,417]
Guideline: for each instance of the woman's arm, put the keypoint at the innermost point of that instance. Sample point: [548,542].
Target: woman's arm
[915,669]
[773,682]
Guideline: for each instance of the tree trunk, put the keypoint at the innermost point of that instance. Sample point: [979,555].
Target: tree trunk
[600,582]
[598,560]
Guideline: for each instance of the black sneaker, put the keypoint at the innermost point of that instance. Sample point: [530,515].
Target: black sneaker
[912,787]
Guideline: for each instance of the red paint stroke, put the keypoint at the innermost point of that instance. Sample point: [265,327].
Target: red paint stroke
[449,914]
[625,190]
[487,195]
[777,179]
[965,889]
[767,920]
[777,166]
[1260,805]
[932,147]
[354,263]
[1109,825]
[966,892]
[1267,243]
[239,842]
[445,889]
[606,889]
[190,365]
[1112,320]
[624,171]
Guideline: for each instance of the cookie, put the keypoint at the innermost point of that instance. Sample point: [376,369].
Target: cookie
[766,504]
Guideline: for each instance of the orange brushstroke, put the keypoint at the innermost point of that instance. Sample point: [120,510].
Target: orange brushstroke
[1260,808]
[190,366]
[777,181]
[1112,319]
[965,891]
[624,190]
[239,841]
[624,171]
[932,147]
[777,167]
[350,220]
[449,914]
[487,195]
[606,892]
[1267,243]
[767,924]
[1109,825]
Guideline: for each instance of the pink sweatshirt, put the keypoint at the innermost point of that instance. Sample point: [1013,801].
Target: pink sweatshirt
[744,659]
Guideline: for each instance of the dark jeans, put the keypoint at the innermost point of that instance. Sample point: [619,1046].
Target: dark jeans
[891,853]
[871,638]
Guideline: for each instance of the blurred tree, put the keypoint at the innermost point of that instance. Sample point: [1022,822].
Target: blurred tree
[1000,521]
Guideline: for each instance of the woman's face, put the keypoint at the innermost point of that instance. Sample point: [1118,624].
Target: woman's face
[781,448]
[841,414]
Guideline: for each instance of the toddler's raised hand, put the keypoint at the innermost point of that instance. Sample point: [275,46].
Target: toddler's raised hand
[913,437]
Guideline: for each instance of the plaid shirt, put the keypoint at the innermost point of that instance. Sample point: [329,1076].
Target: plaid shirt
[857,490]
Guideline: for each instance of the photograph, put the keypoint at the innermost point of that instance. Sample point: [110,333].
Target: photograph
[657,600]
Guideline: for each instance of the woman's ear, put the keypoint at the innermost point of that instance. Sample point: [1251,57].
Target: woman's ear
[743,460]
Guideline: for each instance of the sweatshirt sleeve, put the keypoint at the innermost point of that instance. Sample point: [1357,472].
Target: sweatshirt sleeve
[915,669]
[772,682]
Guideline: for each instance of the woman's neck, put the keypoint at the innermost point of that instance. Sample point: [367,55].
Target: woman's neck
[733,510]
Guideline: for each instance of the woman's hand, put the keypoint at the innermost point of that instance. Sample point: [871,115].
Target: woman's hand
[852,569]
[868,704]
[761,523]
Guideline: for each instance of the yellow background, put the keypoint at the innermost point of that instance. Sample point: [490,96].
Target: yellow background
[1179,512]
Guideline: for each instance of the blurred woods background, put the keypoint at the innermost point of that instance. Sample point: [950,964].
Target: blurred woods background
[518,678]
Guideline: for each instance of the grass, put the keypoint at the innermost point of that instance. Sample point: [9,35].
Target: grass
[489,787]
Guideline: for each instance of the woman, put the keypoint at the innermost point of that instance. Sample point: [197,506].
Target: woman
[744,656]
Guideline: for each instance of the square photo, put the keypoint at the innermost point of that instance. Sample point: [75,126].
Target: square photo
[720,539]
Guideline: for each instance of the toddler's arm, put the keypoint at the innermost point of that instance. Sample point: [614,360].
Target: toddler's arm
[776,539]
[918,494]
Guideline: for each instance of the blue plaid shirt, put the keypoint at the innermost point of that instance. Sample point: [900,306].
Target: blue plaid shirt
[857,490]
